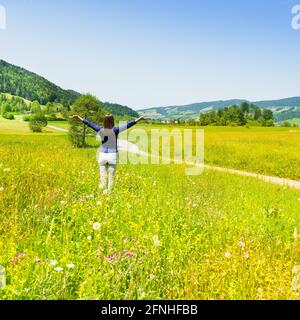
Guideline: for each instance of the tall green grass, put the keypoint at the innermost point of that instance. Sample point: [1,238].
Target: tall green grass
[162,235]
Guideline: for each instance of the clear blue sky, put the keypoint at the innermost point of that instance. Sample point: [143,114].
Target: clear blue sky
[146,53]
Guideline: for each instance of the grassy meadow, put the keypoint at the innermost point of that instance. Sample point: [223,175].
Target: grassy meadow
[270,151]
[160,234]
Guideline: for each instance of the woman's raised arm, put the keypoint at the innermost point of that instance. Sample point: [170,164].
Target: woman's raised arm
[128,125]
[85,121]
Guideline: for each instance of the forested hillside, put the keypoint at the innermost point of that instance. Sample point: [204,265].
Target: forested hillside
[120,110]
[20,82]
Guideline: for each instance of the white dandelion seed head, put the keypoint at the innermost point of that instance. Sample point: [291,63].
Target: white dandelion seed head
[70,266]
[96,226]
[89,238]
[227,254]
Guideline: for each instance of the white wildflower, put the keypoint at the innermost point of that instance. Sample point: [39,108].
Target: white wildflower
[59,269]
[296,269]
[53,263]
[156,241]
[96,226]
[242,244]
[152,276]
[227,254]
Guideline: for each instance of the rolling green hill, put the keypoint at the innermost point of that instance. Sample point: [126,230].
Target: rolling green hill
[16,81]
[30,86]
[119,110]
[283,109]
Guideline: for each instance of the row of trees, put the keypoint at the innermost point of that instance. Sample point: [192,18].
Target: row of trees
[12,105]
[38,115]
[8,105]
[88,106]
[238,115]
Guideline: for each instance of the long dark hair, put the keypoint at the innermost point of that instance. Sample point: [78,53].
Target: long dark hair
[109,121]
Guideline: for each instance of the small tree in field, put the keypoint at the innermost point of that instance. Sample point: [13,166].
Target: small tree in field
[37,122]
[35,107]
[88,107]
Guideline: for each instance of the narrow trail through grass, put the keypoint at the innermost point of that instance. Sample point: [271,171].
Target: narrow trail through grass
[133,148]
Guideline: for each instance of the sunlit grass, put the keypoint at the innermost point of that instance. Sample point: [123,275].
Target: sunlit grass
[269,151]
[162,235]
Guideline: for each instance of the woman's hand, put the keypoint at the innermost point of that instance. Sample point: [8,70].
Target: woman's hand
[76,117]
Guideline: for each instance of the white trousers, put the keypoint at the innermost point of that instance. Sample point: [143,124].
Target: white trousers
[108,165]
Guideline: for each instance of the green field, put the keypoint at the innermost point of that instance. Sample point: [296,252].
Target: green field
[59,124]
[162,235]
[21,127]
[270,151]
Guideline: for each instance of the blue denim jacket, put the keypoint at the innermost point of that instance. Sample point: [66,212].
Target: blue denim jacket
[109,137]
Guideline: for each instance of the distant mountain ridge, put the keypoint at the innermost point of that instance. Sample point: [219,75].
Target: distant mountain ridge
[193,110]
[120,110]
[20,82]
